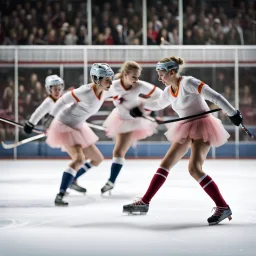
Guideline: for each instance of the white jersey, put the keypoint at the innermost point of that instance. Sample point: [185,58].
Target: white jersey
[44,108]
[189,99]
[82,103]
[131,96]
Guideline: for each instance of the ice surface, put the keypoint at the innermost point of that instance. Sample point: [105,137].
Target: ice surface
[176,223]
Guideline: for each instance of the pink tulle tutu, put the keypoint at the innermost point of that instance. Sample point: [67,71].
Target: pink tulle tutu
[140,127]
[207,128]
[60,135]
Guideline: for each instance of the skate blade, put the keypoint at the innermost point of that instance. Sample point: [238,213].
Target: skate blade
[135,213]
[61,205]
[105,193]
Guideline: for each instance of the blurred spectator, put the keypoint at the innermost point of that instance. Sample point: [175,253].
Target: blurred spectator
[151,34]
[82,36]
[71,38]
[246,98]
[108,36]
[8,97]
[246,101]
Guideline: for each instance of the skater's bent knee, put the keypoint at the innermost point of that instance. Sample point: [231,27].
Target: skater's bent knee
[195,170]
[97,161]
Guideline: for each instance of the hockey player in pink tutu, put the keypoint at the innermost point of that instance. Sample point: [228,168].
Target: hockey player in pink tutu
[187,96]
[121,126]
[67,127]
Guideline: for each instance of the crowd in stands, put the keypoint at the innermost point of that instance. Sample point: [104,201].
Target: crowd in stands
[117,22]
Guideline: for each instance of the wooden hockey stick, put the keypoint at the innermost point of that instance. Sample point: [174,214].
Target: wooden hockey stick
[182,118]
[14,145]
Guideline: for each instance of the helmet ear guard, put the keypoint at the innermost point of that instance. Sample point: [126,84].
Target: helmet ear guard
[53,80]
[99,71]
[167,66]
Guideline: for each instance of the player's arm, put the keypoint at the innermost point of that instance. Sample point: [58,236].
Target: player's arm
[43,109]
[196,86]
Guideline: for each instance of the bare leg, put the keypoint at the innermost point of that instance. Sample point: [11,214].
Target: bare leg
[123,143]
[93,153]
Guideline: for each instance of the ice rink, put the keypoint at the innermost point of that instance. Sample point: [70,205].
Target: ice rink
[176,223]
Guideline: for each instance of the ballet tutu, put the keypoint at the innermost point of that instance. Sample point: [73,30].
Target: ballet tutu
[208,128]
[60,135]
[141,128]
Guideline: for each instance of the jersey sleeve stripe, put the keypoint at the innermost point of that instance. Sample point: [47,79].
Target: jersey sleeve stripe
[151,91]
[75,96]
[200,87]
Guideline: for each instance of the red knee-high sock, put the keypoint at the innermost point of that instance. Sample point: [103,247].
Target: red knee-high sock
[212,190]
[156,183]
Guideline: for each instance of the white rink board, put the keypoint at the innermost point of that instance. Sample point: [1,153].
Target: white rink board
[176,223]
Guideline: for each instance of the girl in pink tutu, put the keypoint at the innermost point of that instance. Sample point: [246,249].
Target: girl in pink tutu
[187,96]
[67,127]
[120,125]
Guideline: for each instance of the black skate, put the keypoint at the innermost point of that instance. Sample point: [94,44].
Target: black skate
[59,200]
[136,207]
[219,215]
[77,188]
[107,187]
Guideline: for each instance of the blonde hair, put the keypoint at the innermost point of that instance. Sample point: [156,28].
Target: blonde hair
[178,60]
[127,67]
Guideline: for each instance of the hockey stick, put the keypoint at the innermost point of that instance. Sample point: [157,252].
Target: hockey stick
[14,145]
[40,131]
[19,125]
[182,118]
[98,127]
[246,131]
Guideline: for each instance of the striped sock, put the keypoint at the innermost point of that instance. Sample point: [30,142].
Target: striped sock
[67,179]
[116,167]
[155,184]
[212,190]
[83,169]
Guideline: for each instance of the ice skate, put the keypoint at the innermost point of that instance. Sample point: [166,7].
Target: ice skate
[59,200]
[136,207]
[107,187]
[77,188]
[219,215]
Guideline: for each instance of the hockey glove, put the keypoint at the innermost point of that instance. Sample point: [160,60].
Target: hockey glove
[48,122]
[237,118]
[28,127]
[136,112]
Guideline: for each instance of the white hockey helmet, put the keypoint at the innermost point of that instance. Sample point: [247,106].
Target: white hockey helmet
[99,71]
[53,80]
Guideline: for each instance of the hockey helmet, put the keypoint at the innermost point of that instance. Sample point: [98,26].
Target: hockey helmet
[99,71]
[53,80]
